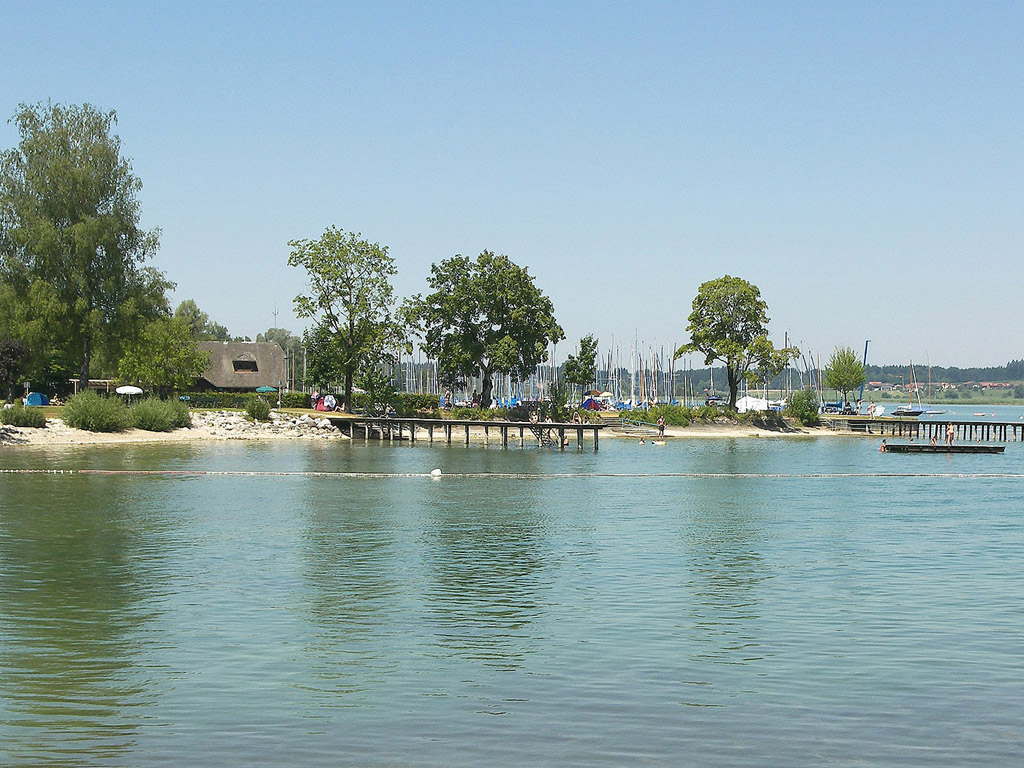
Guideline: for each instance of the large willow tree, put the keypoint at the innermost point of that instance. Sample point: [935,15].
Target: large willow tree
[71,248]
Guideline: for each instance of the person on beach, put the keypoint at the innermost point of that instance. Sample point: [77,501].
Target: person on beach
[950,433]
[661,426]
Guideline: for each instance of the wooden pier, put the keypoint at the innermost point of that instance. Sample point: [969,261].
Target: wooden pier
[391,428]
[965,431]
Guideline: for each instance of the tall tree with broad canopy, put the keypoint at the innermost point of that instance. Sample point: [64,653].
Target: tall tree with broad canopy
[484,316]
[200,324]
[164,357]
[844,372]
[581,369]
[350,300]
[69,216]
[729,323]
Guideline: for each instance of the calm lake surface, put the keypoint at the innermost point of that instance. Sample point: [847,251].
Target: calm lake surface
[795,606]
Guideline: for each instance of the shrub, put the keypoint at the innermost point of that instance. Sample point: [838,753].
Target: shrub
[258,409]
[182,415]
[87,410]
[20,416]
[410,403]
[155,415]
[803,406]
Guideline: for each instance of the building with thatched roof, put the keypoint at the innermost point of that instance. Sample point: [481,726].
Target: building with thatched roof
[242,365]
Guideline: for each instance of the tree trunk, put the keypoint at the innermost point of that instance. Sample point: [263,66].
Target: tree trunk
[347,400]
[486,388]
[83,366]
[734,383]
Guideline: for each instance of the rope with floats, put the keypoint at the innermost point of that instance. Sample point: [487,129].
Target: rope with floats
[436,474]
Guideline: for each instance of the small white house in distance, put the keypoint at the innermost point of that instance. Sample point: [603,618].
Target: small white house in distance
[749,403]
[242,365]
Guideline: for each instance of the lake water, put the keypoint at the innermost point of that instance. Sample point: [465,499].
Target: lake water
[797,602]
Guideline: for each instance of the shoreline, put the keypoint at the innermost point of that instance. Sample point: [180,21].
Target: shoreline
[224,426]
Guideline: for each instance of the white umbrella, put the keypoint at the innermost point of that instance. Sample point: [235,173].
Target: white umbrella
[128,389]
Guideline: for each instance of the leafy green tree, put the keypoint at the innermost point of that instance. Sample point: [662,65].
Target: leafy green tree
[69,216]
[844,372]
[200,324]
[14,357]
[729,324]
[164,357]
[350,300]
[581,369]
[288,341]
[484,316]
[769,361]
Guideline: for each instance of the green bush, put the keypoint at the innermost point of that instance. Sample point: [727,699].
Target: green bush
[155,415]
[675,415]
[241,399]
[803,406]
[409,403]
[87,410]
[258,409]
[20,416]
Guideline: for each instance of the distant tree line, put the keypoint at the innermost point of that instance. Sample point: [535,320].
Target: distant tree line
[77,299]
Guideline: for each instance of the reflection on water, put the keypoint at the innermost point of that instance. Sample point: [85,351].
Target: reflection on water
[485,559]
[581,620]
[724,534]
[79,581]
[353,576]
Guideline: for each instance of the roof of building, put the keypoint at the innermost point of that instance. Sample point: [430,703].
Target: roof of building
[243,364]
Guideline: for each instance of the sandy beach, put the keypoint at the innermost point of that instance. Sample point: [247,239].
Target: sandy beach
[223,425]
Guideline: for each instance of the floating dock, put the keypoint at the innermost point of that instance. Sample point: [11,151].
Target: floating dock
[915,448]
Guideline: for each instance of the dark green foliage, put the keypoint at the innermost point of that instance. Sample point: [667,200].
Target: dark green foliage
[409,403]
[484,317]
[258,409]
[729,323]
[240,399]
[70,238]
[803,406]
[20,416]
[201,328]
[14,357]
[88,410]
[350,302]
[581,369]
[155,415]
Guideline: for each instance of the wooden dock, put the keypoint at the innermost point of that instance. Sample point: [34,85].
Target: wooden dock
[391,428]
[964,431]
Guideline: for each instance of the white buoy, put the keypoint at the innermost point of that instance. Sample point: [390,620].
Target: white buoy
[435,473]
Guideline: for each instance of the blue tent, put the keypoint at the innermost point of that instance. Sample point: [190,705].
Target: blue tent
[37,398]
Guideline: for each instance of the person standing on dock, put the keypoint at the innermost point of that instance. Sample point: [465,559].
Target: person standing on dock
[950,433]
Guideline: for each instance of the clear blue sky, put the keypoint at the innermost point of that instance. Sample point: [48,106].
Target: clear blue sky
[862,163]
